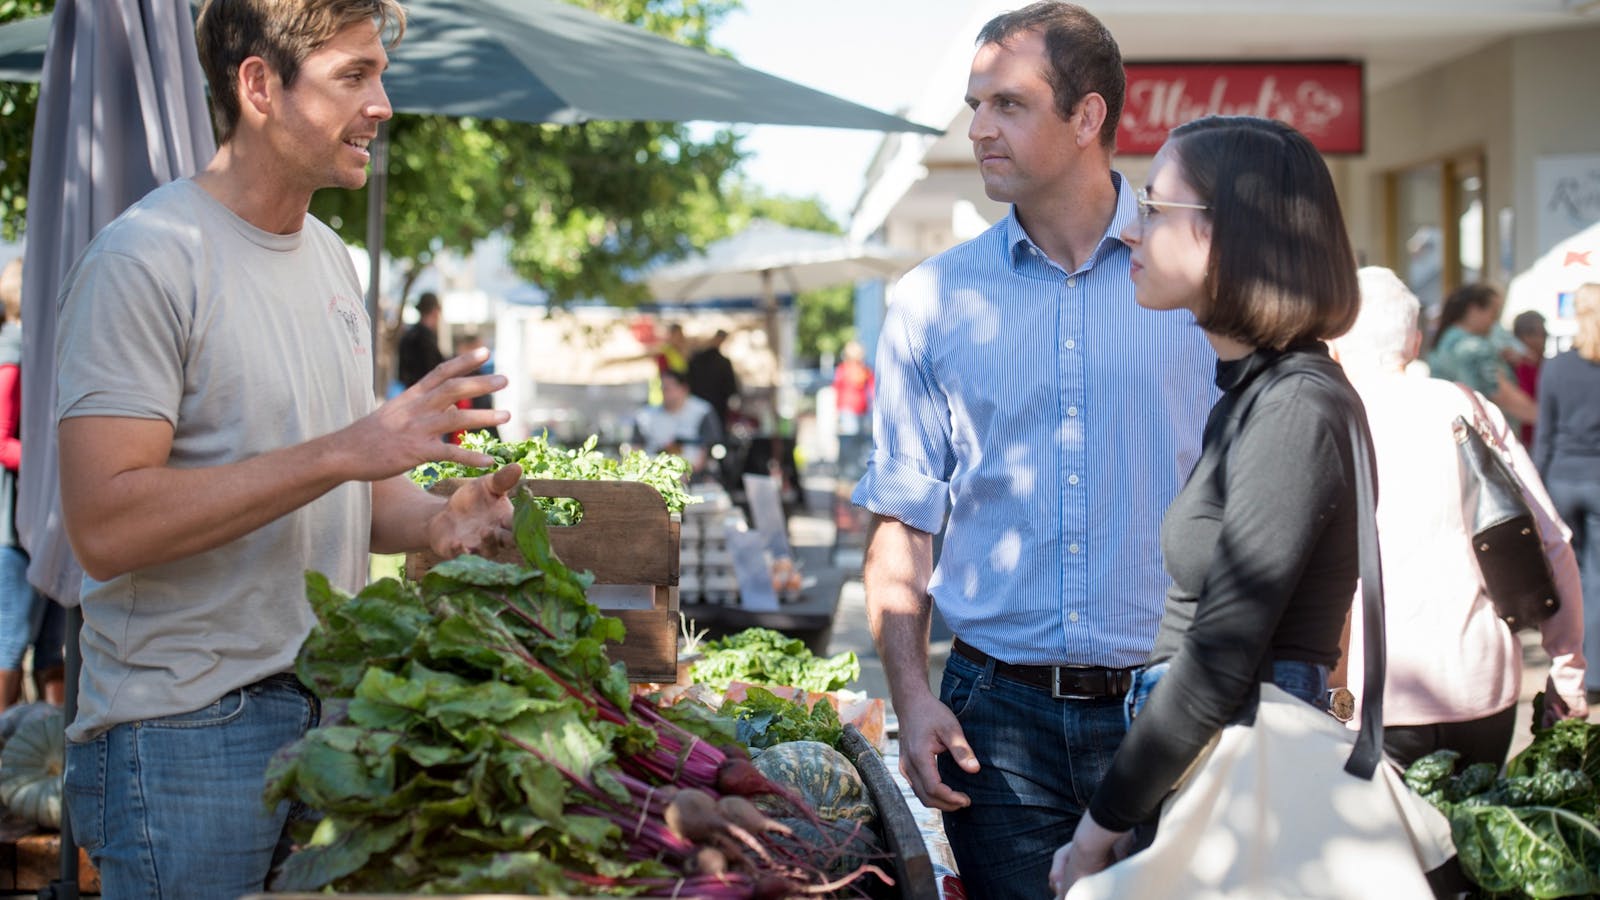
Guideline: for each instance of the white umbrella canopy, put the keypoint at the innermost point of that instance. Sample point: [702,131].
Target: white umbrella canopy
[767,259]
[122,110]
[1541,287]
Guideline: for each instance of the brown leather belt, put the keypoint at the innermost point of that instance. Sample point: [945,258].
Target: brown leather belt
[1063,682]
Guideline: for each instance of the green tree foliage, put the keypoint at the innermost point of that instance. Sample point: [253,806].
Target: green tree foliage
[18,103]
[585,205]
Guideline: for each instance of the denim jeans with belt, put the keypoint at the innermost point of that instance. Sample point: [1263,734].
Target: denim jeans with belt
[1040,761]
[1307,681]
[171,807]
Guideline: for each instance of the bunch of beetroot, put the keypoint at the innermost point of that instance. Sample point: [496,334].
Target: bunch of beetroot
[477,739]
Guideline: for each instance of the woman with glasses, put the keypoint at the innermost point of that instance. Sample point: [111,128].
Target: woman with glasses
[1239,225]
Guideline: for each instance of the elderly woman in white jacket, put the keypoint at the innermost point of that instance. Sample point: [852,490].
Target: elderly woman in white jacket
[1454,668]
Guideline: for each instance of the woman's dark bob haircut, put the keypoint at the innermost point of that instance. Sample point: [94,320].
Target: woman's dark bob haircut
[1281,269]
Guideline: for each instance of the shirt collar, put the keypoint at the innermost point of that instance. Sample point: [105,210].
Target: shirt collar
[1019,246]
[1236,373]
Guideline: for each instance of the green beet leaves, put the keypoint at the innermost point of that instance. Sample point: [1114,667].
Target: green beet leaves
[450,740]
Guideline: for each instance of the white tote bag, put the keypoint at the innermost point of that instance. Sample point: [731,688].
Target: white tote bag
[1270,812]
[1292,805]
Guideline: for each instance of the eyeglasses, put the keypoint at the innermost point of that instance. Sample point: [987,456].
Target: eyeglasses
[1148,207]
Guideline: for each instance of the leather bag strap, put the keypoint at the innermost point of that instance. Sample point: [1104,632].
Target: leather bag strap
[1481,422]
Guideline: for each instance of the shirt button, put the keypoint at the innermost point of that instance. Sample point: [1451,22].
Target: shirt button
[1072,617]
[1071,343]
[1072,281]
[1072,548]
[1072,479]
[1072,410]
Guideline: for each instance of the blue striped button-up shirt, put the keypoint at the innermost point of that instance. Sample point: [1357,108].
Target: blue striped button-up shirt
[1057,419]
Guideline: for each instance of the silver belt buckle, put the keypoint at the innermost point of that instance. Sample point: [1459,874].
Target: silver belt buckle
[1055,685]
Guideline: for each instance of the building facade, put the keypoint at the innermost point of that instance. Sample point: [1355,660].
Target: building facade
[1479,126]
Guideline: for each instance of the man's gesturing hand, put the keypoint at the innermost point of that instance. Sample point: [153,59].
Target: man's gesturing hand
[405,432]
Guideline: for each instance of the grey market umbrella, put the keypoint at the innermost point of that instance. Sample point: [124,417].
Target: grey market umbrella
[22,49]
[550,61]
[121,111]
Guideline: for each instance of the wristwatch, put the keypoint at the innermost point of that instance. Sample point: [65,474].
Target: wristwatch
[1341,703]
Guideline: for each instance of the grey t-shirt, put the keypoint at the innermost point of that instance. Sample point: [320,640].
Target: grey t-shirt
[246,342]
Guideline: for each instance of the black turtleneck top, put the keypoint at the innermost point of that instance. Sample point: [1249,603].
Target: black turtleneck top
[1261,548]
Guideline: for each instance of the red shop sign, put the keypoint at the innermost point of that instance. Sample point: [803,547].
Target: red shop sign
[1322,100]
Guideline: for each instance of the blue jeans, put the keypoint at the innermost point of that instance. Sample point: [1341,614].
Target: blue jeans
[1041,760]
[1308,681]
[171,807]
[1578,502]
[27,616]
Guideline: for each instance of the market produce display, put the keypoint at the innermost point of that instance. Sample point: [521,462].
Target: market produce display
[764,656]
[829,784]
[1534,832]
[540,459]
[476,738]
[764,719]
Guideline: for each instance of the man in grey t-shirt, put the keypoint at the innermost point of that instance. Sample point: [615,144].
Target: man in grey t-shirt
[219,438]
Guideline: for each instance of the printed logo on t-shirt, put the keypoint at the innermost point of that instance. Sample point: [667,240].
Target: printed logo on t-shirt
[354,316]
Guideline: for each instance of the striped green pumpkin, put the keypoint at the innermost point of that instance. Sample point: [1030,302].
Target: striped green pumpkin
[821,776]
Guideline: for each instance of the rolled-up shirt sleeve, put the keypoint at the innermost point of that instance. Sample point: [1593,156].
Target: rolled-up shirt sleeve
[908,477]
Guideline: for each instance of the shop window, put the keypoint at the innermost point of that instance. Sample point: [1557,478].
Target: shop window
[1436,226]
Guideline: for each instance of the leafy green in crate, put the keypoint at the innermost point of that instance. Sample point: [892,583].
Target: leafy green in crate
[540,459]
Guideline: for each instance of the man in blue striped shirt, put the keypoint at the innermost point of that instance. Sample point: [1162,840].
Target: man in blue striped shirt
[1020,383]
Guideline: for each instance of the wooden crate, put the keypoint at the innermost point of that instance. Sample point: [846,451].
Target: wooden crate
[626,537]
[30,859]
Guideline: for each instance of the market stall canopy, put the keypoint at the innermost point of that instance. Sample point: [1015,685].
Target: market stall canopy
[767,259]
[22,49]
[549,61]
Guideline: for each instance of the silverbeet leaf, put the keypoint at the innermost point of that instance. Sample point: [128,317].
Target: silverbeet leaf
[1539,851]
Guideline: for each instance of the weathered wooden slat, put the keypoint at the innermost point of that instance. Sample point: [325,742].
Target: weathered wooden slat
[913,868]
[650,650]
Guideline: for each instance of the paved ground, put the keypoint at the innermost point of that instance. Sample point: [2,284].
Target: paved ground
[819,525]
